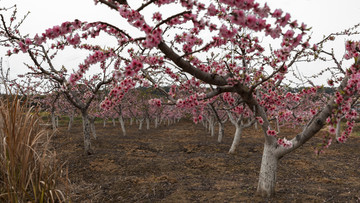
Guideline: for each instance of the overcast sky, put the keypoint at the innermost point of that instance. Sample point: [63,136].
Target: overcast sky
[324,16]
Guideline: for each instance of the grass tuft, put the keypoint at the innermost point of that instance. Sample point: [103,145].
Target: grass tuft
[28,168]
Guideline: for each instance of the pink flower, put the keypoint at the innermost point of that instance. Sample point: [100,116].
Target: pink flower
[224,32]
[271,132]
[277,13]
[129,73]
[332,130]
[260,120]
[157,16]
[284,142]
[212,11]
[28,41]
[315,47]
[23,47]
[289,34]
[74,41]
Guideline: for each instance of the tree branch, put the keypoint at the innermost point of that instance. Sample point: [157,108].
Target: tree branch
[186,66]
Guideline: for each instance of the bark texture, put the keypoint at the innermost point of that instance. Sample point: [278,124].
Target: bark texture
[267,176]
[122,125]
[87,131]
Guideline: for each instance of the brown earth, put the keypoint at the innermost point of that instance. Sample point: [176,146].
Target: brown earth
[182,163]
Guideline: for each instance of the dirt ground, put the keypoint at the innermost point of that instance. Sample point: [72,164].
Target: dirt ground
[183,163]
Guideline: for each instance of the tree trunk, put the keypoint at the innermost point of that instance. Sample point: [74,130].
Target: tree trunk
[140,123]
[121,120]
[92,127]
[204,123]
[267,176]
[104,122]
[86,129]
[221,132]
[70,122]
[156,122]
[212,131]
[113,121]
[53,120]
[57,121]
[131,121]
[236,139]
[147,123]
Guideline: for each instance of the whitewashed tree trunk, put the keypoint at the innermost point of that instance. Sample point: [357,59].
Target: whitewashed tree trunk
[239,126]
[147,123]
[104,124]
[122,125]
[277,125]
[86,128]
[156,121]
[221,132]
[71,120]
[53,120]
[204,123]
[92,127]
[212,126]
[236,139]
[168,121]
[131,121]
[267,176]
[212,130]
[113,121]
[140,123]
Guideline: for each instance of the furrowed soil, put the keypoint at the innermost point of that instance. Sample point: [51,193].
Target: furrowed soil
[183,163]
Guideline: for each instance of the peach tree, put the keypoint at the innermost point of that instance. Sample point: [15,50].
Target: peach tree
[212,45]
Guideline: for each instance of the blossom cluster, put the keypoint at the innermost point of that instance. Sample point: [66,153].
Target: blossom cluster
[284,142]
[352,49]
[156,102]
[153,36]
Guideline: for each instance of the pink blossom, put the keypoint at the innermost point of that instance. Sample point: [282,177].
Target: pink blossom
[28,41]
[129,73]
[23,47]
[332,130]
[271,132]
[226,33]
[212,11]
[157,16]
[74,41]
[277,13]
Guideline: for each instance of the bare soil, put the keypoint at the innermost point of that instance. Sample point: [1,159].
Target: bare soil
[183,163]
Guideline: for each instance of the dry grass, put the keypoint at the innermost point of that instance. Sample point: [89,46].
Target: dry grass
[28,168]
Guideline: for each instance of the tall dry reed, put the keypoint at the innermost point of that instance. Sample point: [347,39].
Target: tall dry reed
[28,169]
